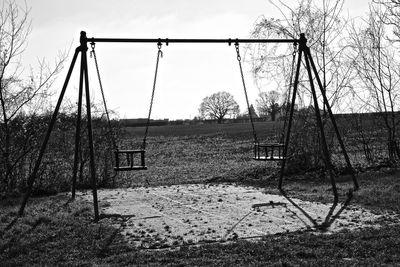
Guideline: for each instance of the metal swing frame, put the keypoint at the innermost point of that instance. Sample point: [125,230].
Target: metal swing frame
[84,85]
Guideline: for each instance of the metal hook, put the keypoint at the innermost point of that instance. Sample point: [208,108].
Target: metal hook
[239,58]
[92,45]
[159,45]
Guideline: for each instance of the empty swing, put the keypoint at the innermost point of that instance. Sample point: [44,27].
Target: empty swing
[129,159]
[267,151]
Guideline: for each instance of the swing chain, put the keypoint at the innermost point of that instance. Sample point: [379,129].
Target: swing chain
[289,92]
[239,58]
[111,133]
[159,45]
[294,49]
[92,45]
[159,54]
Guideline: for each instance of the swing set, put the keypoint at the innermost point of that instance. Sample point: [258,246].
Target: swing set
[134,159]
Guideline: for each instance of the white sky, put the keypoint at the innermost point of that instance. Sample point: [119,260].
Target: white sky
[187,72]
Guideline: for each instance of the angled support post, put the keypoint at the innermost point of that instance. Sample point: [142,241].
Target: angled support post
[333,120]
[304,50]
[302,45]
[83,81]
[325,150]
[32,176]
[77,133]
[84,65]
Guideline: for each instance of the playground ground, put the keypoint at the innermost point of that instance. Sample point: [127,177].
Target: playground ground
[57,231]
[172,216]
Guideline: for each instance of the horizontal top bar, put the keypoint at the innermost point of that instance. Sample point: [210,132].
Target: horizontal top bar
[167,40]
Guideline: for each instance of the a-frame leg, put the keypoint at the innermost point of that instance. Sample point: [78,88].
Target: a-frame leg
[333,120]
[325,151]
[89,122]
[292,106]
[305,51]
[84,80]
[32,176]
[77,133]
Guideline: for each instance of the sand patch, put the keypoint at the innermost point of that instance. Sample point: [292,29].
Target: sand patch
[160,217]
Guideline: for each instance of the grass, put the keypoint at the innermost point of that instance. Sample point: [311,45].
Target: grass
[56,231]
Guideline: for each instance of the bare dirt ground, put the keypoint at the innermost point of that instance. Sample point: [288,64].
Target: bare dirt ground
[165,217]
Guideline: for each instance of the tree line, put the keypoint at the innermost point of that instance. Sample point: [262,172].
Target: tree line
[221,105]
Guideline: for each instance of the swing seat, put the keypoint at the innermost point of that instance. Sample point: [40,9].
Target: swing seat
[125,160]
[268,152]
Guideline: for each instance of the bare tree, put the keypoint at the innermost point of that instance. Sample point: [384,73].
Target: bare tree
[18,95]
[268,104]
[391,15]
[373,57]
[324,28]
[218,106]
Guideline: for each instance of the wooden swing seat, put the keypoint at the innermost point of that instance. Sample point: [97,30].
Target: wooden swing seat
[268,152]
[129,163]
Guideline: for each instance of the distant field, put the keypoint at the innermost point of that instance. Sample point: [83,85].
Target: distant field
[231,130]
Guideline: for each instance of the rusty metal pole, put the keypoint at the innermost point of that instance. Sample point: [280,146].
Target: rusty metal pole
[83,40]
[327,158]
[32,177]
[302,44]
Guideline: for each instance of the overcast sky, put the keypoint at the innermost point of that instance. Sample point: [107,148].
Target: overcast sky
[187,72]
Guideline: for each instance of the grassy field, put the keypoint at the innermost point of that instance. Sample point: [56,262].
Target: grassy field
[56,231]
